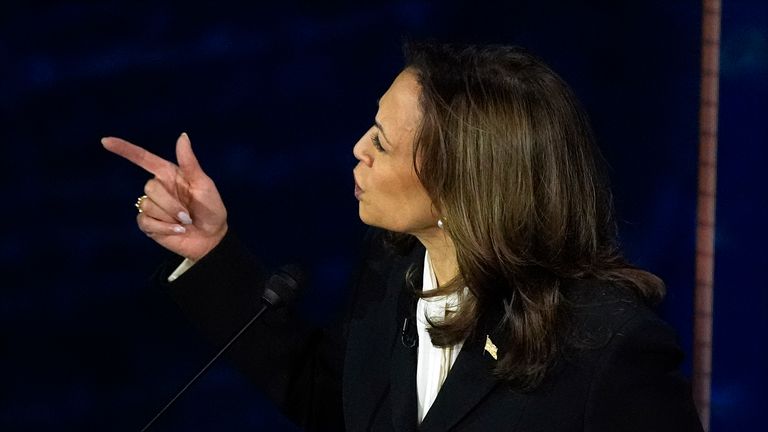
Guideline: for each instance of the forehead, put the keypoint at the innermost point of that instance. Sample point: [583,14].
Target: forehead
[399,110]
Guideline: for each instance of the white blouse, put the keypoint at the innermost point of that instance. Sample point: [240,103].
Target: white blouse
[433,362]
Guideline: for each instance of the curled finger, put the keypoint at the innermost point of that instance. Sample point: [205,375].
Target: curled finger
[151,226]
[166,201]
[150,208]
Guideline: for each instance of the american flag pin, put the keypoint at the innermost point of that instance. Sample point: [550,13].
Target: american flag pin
[490,347]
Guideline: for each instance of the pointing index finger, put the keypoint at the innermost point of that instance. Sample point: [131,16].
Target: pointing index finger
[147,160]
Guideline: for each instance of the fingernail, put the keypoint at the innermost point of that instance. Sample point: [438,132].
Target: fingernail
[184,218]
[178,229]
[185,134]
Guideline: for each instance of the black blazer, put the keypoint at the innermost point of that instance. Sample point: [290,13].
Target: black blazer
[620,373]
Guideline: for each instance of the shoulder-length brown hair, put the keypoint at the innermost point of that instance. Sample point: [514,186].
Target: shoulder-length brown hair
[507,155]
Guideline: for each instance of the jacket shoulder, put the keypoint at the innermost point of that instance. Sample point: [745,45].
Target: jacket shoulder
[626,358]
[597,311]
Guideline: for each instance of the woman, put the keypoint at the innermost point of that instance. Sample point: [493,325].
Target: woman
[492,296]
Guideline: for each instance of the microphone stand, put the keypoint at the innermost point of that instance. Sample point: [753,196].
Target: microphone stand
[280,289]
[206,367]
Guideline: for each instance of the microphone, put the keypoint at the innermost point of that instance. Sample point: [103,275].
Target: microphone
[281,289]
[283,286]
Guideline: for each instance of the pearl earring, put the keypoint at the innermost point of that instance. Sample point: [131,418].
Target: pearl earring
[440,223]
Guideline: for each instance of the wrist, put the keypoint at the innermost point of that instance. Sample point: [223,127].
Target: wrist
[214,240]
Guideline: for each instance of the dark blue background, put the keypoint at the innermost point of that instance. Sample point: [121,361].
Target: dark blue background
[273,97]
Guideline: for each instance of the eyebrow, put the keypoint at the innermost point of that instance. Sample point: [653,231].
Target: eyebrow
[379,126]
[381,129]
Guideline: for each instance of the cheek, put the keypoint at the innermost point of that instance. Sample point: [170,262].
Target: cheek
[397,203]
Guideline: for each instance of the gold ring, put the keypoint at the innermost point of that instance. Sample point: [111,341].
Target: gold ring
[138,203]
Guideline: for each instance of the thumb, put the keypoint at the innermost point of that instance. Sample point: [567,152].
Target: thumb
[188,163]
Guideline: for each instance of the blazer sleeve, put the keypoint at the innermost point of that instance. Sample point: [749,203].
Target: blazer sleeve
[298,366]
[638,386]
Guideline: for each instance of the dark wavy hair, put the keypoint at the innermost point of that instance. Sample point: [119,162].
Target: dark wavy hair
[507,155]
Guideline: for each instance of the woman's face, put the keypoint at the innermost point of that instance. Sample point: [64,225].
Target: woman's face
[390,194]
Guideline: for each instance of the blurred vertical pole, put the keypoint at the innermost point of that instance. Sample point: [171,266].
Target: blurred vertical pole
[705,221]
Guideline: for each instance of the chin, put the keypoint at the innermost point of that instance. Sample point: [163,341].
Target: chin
[401,225]
[366,218]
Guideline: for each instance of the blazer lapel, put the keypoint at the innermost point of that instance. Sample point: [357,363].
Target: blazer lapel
[403,385]
[377,371]
[405,349]
[469,380]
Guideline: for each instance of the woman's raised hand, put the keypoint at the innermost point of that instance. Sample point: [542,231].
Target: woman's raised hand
[182,211]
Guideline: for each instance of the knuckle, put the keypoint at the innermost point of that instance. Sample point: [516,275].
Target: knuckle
[146,205]
[141,221]
[150,186]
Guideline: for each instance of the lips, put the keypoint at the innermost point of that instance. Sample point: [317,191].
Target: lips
[358,190]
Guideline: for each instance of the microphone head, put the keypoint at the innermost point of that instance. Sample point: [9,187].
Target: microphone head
[283,286]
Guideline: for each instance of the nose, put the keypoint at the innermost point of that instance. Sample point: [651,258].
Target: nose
[362,151]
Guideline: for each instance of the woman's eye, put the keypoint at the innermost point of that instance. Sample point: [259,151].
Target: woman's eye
[377,142]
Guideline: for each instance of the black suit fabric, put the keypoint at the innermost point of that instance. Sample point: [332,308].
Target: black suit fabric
[620,374]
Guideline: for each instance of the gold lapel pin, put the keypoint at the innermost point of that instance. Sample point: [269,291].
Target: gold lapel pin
[490,347]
